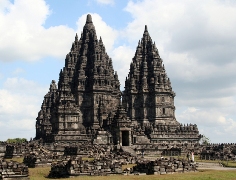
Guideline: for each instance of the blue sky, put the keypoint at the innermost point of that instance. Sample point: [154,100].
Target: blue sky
[196,40]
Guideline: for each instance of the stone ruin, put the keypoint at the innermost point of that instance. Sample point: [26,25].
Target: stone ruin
[103,167]
[83,116]
[13,170]
[164,166]
[108,164]
[218,152]
[86,104]
[67,160]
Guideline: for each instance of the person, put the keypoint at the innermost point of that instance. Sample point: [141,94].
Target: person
[118,146]
[142,151]
[188,156]
[192,156]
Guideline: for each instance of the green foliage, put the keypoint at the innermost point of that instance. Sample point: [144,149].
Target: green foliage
[204,140]
[17,140]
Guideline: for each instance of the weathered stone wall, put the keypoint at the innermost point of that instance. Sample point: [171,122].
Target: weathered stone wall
[164,166]
[218,152]
[13,170]
[2,149]
[99,166]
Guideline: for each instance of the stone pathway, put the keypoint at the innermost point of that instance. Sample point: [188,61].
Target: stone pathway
[213,166]
[205,165]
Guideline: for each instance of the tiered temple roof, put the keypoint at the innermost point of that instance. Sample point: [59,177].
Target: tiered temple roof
[86,105]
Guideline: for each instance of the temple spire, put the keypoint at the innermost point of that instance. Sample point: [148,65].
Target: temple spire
[146,33]
[76,37]
[146,29]
[89,19]
[89,23]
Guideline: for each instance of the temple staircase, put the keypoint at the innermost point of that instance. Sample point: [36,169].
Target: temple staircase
[129,150]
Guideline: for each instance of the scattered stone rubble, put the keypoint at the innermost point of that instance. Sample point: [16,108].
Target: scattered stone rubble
[164,166]
[2,150]
[218,152]
[53,150]
[68,159]
[108,166]
[104,164]
[13,170]
[39,157]
[10,150]
[79,167]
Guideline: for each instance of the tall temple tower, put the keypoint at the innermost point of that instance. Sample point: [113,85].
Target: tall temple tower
[148,95]
[88,90]
[86,104]
[149,100]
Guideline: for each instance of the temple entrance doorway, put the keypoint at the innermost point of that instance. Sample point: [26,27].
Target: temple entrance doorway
[125,138]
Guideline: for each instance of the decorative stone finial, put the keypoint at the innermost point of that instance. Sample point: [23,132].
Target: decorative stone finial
[146,30]
[76,37]
[89,19]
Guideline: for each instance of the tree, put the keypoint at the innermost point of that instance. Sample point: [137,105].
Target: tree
[17,140]
[204,140]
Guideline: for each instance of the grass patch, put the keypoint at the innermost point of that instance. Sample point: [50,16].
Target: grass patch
[41,173]
[17,159]
[231,164]
[87,159]
[128,166]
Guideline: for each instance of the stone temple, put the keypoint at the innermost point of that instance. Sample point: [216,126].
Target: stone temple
[86,104]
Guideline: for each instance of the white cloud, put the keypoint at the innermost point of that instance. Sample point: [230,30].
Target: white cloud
[22,86]
[18,71]
[212,122]
[189,29]
[191,110]
[20,101]
[24,34]
[205,102]
[106,2]
[196,41]
[122,57]
[1,76]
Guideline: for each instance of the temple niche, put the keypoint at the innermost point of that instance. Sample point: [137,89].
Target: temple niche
[86,106]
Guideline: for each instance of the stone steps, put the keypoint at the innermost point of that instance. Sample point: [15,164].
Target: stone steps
[129,150]
[203,165]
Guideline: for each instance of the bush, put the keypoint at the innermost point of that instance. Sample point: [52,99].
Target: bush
[17,140]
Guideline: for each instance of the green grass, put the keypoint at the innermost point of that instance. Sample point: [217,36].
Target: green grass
[17,159]
[87,159]
[42,172]
[128,166]
[229,163]
[39,173]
